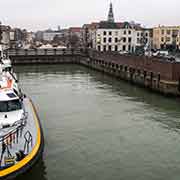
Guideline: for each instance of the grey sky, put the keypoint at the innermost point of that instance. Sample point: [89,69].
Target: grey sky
[42,14]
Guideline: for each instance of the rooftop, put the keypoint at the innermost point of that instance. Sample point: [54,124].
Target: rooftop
[75,29]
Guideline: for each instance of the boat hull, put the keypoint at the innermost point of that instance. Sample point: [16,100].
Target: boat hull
[34,151]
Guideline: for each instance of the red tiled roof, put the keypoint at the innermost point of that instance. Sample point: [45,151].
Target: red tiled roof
[75,29]
[120,24]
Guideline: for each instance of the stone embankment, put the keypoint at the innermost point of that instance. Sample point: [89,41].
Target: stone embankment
[150,72]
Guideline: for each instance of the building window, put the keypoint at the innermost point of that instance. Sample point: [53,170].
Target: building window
[124,39]
[129,39]
[138,71]
[104,48]
[98,40]
[116,33]
[116,40]
[116,48]
[129,32]
[168,39]
[138,34]
[168,32]
[163,46]
[104,33]
[129,48]
[125,68]
[110,33]
[124,48]
[162,31]
[99,48]
[138,40]
[125,32]
[109,48]
[146,34]
[110,40]
[162,39]
[104,40]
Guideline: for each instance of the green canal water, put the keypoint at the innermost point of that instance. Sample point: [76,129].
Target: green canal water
[99,128]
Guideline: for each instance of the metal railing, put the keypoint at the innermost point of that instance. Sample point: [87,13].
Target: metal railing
[44,52]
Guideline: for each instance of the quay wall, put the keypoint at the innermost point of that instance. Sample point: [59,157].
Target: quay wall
[141,63]
[44,56]
[176,71]
[49,59]
[153,73]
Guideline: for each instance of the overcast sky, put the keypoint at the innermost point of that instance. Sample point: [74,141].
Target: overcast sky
[43,14]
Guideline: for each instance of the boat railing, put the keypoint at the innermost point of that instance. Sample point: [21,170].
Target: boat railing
[14,134]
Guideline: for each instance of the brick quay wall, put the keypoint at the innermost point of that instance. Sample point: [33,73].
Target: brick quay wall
[153,73]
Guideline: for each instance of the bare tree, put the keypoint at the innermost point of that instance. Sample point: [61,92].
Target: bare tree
[74,41]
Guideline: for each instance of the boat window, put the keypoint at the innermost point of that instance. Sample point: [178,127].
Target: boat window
[6,106]
[11,95]
[8,69]
[14,105]
[3,106]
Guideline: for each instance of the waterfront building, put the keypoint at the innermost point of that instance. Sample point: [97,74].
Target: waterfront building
[88,31]
[143,38]
[29,37]
[20,38]
[166,37]
[39,36]
[75,31]
[53,37]
[116,36]
[120,37]
[5,35]
[49,35]
[75,37]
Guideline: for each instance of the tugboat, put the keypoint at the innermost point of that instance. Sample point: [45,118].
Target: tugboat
[21,138]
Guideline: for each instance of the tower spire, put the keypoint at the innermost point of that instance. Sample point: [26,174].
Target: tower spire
[111,14]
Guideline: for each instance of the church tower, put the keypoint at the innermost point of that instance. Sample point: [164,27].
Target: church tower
[111,14]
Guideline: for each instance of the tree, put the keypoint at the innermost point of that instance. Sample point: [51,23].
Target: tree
[74,40]
[56,39]
[59,40]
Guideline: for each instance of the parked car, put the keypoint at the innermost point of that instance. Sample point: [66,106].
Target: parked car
[123,52]
[161,53]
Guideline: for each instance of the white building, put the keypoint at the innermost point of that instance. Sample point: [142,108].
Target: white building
[49,35]
[111,36]
[125,38]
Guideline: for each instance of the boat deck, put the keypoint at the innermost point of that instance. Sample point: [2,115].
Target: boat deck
[20,144]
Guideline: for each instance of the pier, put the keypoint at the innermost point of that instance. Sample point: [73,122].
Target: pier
[150,72]
[44,56]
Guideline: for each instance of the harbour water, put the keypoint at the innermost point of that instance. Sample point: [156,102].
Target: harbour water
[97,127]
